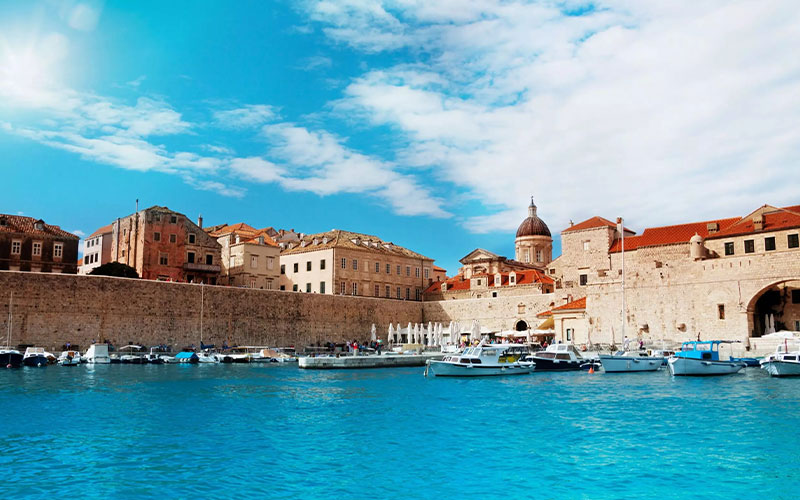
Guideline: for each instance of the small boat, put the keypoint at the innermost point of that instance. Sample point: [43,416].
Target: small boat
[69,358]
[483,360]
[630,361]
[207,356]
[187,357]
[592,364]
[783,362]
[129,355]
[153,357]
[36,356]
[702,358]
[664,354]
[557,358]
[97,354]
[750,362]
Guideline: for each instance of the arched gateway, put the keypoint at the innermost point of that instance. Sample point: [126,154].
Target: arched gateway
[521,326]
[775,307]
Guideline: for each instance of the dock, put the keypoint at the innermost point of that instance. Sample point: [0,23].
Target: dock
[369,361]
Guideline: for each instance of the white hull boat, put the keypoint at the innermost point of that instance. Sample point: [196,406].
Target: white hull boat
[97,354]
[483,361]
[69,358]
[783,362]
[690,366]
[623,362]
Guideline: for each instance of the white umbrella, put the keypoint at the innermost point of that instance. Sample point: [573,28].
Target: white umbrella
[417,334]
[476,330]
[528,336]
[373,333]
[390,338]
[410,332]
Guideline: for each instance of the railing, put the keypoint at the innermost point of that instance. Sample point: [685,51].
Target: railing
[193,266]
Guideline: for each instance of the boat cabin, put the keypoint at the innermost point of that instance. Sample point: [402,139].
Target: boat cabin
[560,351]
[706,350]
[491,353]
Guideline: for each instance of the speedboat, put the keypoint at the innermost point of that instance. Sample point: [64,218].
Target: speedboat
[153,357]
[630,361]
[36,356]
[483,360]
[97,354]
[557,358]
[783,362]
[131,355]
[207,356]
[702,358]
[10,358]
[69,358]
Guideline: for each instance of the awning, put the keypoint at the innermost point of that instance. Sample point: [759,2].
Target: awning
[547,324]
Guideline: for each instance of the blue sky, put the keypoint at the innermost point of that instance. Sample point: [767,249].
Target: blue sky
[426,123]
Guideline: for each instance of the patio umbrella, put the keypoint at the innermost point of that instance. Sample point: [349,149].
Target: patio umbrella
[390,338]
[410,333]
[373,333]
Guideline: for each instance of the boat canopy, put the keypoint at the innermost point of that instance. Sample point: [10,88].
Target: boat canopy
[185,355]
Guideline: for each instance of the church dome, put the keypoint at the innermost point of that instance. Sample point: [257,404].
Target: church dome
[533,225]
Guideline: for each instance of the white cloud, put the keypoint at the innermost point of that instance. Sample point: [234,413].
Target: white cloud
[315,63]
[249,116]
[78,232]
[84,16]
[664,110]
[256,169]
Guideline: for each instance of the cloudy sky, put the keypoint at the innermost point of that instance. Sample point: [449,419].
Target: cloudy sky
[429,124]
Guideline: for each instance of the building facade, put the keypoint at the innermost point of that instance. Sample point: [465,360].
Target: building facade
[28,244]
[250,257]
[96,250]
[165,245]
[346,263]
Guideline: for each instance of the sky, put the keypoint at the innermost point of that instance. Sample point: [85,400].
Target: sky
[428,124]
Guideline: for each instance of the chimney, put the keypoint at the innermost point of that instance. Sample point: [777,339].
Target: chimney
[200,221]
[758,223]
[712,227]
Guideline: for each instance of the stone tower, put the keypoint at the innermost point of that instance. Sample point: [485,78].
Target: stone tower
[534,244]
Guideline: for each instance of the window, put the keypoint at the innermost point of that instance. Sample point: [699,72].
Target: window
[343,288]
[408,270]
[398,270]
[156,236]
[283,287]
[416,294]
[494,294]
[344,263]
[157,217]
[526,256]
[497,279]
[192,239]
[252,282]
[321,287]
[209,260]
[583,279]
[512,279]
[308,265]
[585,246]
[427,273]
[408,293]
[283,268]
[254,261]
[308,287]
[123,253]
[270,263]
[37,248]
[416,272]
[570,333]
[388,269]
[539,256]
[355,288]
[399,293]
[163,259]
[296,267]
[294,288]
[16,247]
[793,241]
[797,325]
[377,290]
[377,267]
[173,219]
[322,265]
[355,264]
[190,258]
[729,248]
[795,299]
[769,243]
[173,238]
[388,291]
[721,311]
[125,232]
[749,246]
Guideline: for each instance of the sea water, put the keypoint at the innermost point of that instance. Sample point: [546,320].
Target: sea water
[275,431]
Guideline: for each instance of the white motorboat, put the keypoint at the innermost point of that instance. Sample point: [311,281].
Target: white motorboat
[69,358]
[207,356]
[702,358]
[97,354]
[483,360]
[630,361]
[557,358]
[664,354]
[783,362]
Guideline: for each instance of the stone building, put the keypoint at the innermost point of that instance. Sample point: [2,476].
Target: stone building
[96,250]
[162,244]
[250,257]
[347,263]
[28,244]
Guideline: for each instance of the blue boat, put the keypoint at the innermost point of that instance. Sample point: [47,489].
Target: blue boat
[747,361]
[187,357]
[702,358]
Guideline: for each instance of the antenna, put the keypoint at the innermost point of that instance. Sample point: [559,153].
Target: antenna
[137,204]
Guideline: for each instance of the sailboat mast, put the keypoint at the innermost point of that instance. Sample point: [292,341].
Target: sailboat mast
[10,319]
[622,233]
[202,304]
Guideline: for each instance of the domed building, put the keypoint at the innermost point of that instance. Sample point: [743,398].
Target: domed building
[534,244]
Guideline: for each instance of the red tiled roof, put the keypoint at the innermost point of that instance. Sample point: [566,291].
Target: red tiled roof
[669,235]
[575,304]
[26,225]
[592,223]
[775,220]
[101,231]
[437,268]
[544,314]
[241,228]
[525,277]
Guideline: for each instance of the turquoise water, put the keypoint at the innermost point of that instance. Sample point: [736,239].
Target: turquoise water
[272,431]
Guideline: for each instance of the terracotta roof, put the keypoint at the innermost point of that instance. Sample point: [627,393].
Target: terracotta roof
[437,268]
[669,235]
[26,225]
[526,277]
[774,220]
[337,238]
[240,228]
[103,230]
[544,314]
[590,224]
[246,233]
[574,305]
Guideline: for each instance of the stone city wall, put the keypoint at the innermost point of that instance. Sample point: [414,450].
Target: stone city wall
[51,309]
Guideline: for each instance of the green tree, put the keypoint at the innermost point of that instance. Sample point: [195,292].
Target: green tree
[115,269]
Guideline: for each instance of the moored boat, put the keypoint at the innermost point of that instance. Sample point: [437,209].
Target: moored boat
[630,361]
[69,358]
[10,358]
[700,358]
[557,358]
[35,356]
[483,360]
[783,362]
[97,354]
[187,357]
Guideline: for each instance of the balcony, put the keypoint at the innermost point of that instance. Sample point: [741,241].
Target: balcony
[204,268]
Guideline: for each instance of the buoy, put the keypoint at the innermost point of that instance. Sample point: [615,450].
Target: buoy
[591,369]
[8,365]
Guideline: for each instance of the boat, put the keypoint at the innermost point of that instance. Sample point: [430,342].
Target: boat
[69,358]
[748,362]
[557,358]
[97,354]
[783,362]
[630,361]
[36,356]
[207,356]
[702,358]
[10,358]
[129,357]
[483,360]
[153,357]
[187,357]
[664,354]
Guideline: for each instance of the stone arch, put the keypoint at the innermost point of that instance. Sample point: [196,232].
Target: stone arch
[521,326]
[781,299]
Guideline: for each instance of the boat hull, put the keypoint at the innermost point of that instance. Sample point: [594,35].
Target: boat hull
[698,367]
[36,360]
[10,359]
[557,365]
[624,364]
[448,369]
[782,368]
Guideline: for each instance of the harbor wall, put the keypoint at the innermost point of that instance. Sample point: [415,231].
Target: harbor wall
[51,309]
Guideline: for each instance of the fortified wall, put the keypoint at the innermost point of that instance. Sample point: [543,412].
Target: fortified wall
[51,309]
